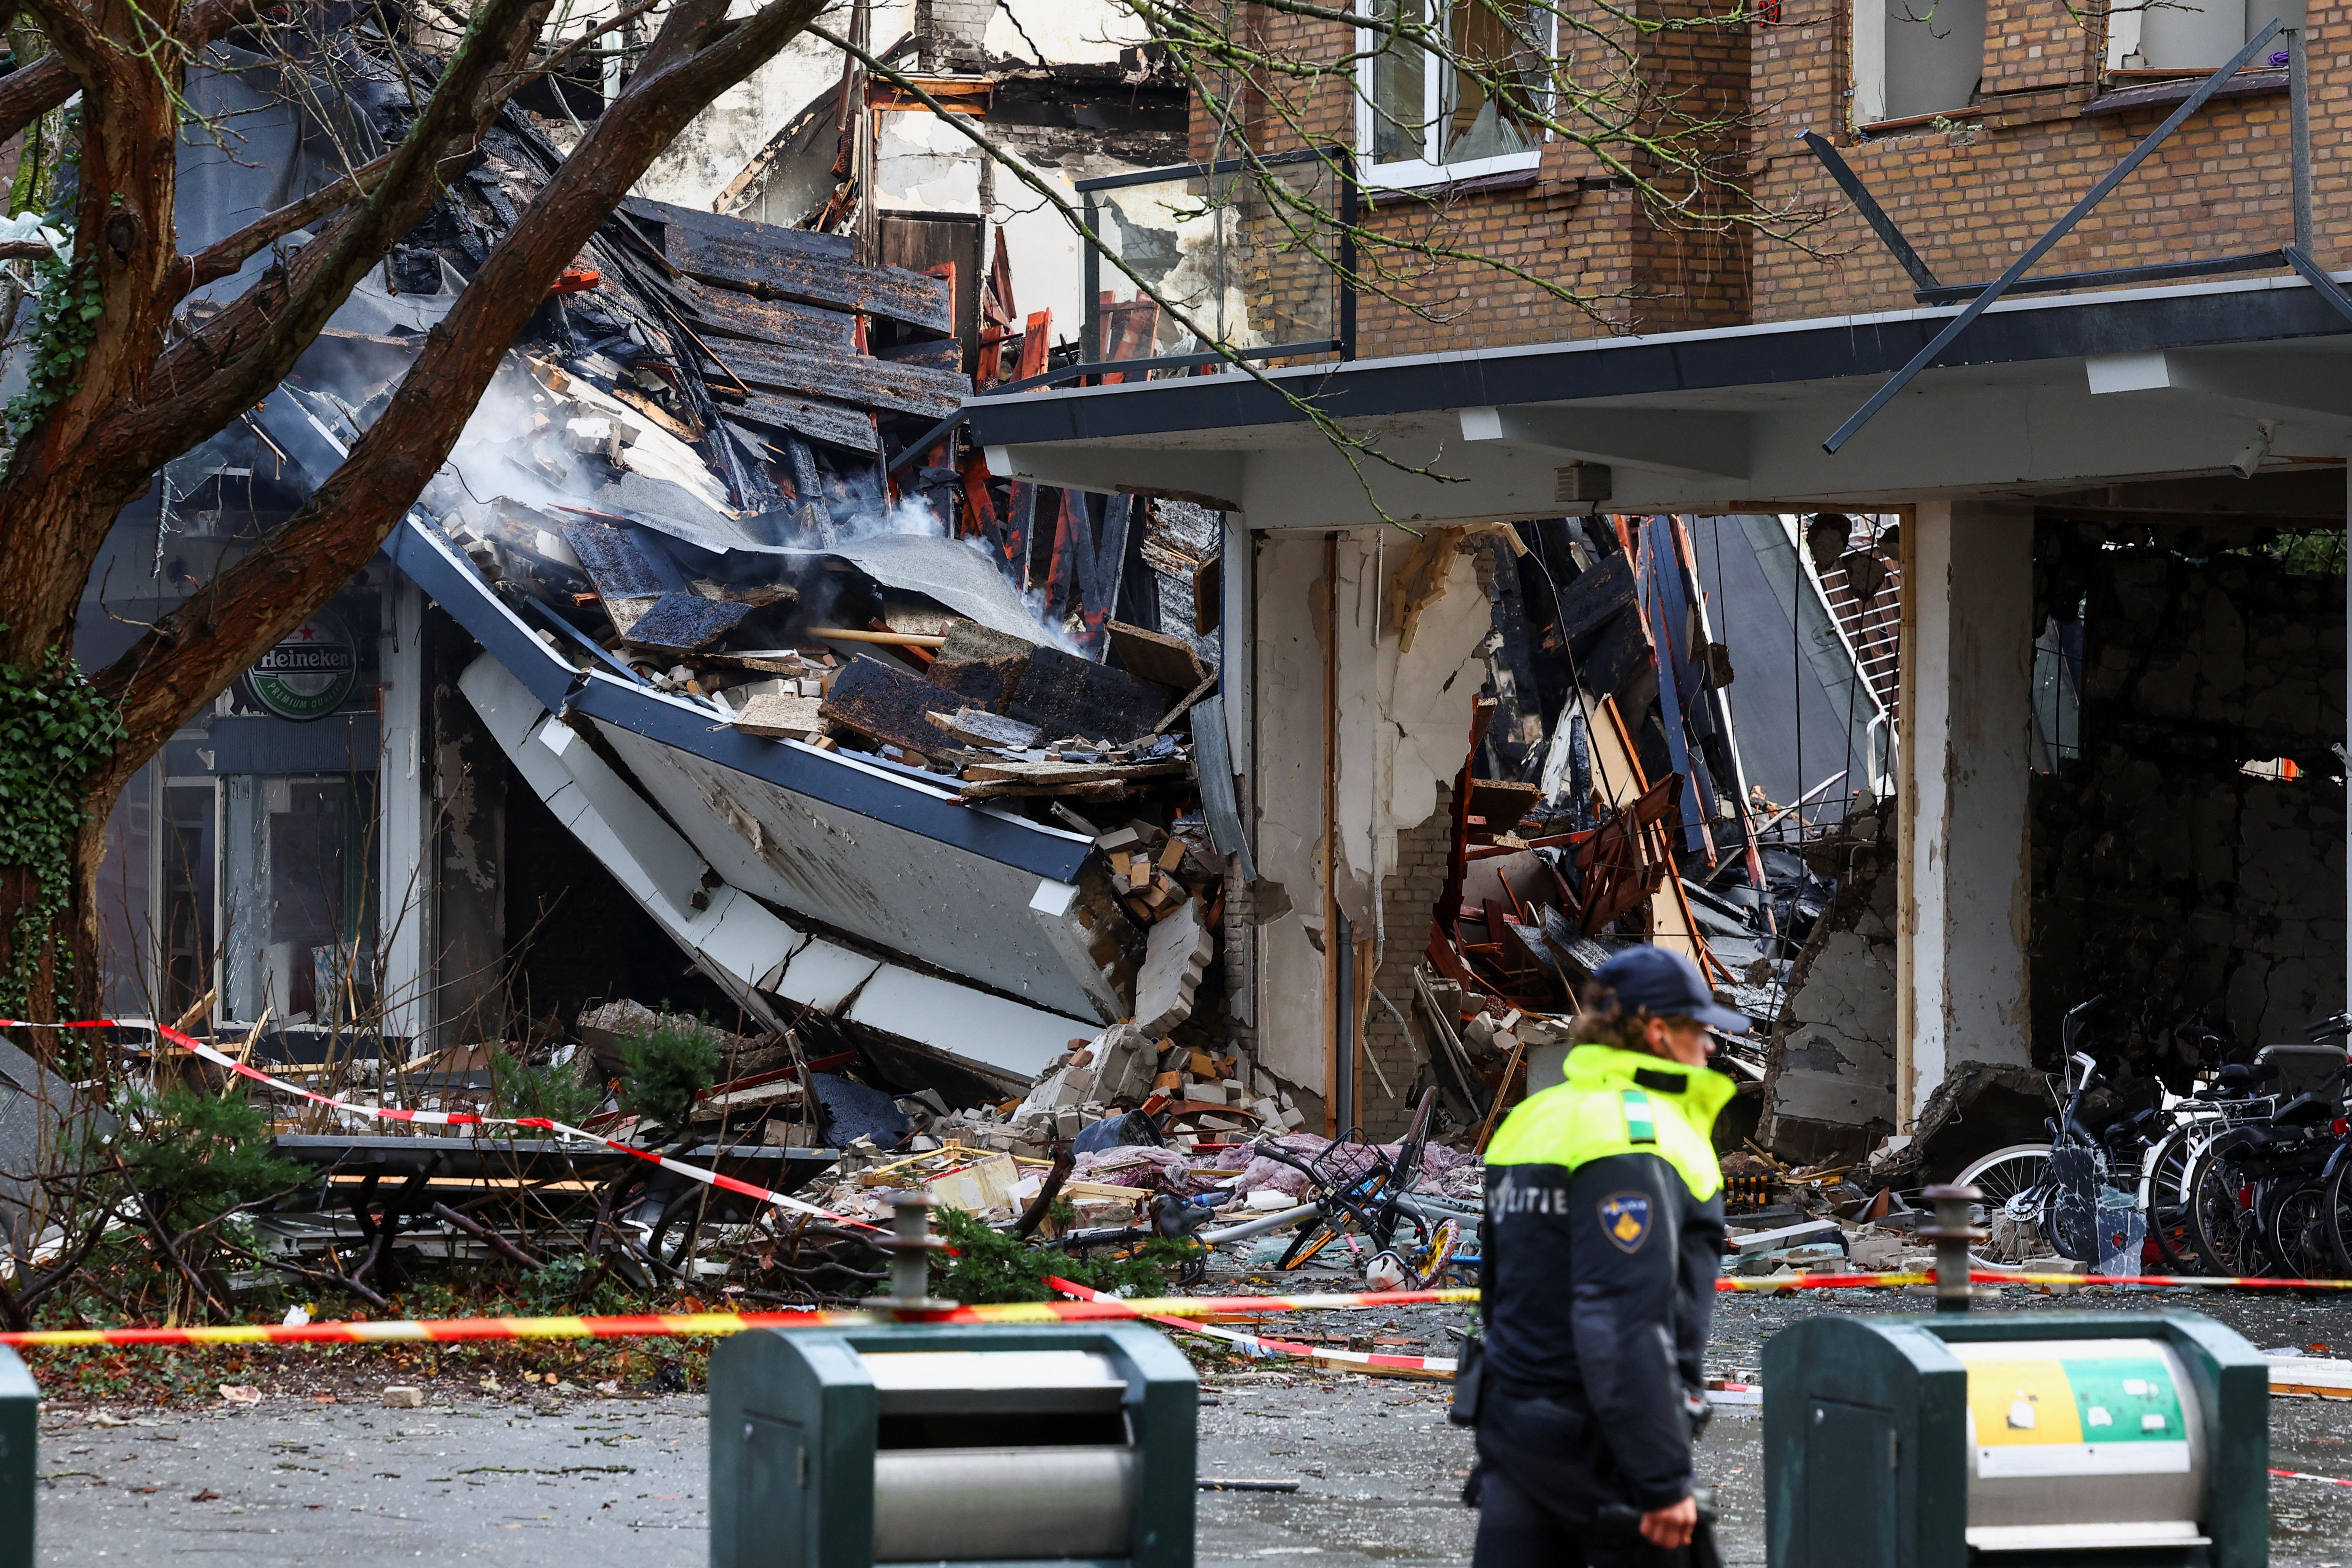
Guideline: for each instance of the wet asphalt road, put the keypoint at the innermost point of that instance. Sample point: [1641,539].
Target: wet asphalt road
[583,1481]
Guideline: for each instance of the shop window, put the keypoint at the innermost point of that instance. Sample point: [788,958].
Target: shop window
[1426,117]
[189,908]
[2058,693]
[300,933]
[1912,59]
[2188,35]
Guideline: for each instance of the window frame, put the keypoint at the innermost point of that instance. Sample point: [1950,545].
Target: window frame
[1421,173]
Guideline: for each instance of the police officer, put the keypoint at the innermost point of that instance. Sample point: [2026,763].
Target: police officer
[1603,1234]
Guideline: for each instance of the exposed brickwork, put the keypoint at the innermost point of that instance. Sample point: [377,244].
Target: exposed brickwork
[1972,191]
[1570,224]
[1409,890]
[1970,199]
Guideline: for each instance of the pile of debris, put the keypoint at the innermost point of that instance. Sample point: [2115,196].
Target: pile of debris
[1604,802]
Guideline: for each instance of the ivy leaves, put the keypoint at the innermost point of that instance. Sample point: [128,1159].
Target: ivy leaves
[54,725]
[66,312]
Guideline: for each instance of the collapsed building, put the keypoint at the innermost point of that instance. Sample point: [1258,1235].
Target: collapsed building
[701,675]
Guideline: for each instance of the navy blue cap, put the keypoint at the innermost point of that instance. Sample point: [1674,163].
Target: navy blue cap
[1666,984]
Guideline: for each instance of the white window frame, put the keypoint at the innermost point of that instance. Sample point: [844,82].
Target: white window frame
[1411,174]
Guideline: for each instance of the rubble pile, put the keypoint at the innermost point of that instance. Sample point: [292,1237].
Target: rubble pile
[1603,800]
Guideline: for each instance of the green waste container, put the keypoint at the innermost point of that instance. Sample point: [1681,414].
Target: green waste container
[917,1443]
[20,1432]
[2021,1440]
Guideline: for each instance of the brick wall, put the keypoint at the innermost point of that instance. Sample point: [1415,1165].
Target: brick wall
[1409,890]
[1572,224]
[1971,191]
[1973,195]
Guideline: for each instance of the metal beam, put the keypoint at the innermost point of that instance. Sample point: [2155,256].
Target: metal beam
[2057,231]
[1871,212]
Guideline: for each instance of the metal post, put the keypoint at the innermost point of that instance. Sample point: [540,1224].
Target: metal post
[910,1246]
[1351,215]
[2299,100]
[1091,343]
[1952,1235]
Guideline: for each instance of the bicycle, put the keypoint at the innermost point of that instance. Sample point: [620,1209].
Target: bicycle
[2262,1201]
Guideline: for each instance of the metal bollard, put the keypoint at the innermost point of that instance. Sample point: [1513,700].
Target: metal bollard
[910,1246]
[19,1459]
[1952,1233]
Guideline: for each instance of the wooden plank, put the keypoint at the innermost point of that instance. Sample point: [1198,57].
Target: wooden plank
[1069,772]
[1502,802]
[1601,591]
[979,727]
[811,419]
[1154,656]
[1091,789]
[726,313]
[848,378]
[778,263]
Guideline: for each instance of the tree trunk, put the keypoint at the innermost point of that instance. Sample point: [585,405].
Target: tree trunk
[125,415]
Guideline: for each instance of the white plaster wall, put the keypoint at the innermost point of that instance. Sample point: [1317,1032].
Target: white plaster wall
[1401,728]
[1288,778]
[1971,681]
[922,165]
[1066,32]
[715,146]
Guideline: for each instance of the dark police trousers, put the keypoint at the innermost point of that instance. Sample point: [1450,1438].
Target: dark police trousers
[1547,1494]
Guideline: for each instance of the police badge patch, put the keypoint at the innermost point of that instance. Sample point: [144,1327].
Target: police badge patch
[1625,1220]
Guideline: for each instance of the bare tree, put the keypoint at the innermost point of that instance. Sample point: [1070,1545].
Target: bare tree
[122,382]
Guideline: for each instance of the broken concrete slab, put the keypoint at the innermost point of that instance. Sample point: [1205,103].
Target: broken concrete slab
[1180,949]
[1787,1235]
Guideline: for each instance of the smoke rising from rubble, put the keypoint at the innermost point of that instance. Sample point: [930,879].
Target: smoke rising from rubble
[503,453]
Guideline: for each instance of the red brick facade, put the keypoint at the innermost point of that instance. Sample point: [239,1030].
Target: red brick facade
[1971,191]
[1567,223]
[1971,197]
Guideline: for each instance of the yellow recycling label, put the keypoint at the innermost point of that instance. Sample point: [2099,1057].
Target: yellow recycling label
[2075,1414]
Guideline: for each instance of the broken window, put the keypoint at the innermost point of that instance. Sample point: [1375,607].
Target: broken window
[1471,107]
[2057,694]
[2188,35]
[1915,59]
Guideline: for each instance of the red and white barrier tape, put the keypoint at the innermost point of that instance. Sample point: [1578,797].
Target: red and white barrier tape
[2300,1476]
[1427,1366]
[1172,1308]
[455,1118]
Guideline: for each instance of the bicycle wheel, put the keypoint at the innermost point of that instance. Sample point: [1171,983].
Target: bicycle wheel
[2164,1198]
[2012,1181]
[1311,1240]
[2297,1234]
[2221,1217]
[2339,1217]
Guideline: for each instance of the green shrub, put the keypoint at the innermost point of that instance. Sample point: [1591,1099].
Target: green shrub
[195,1156]
[664,1069]
[554,1093]
[988,1266]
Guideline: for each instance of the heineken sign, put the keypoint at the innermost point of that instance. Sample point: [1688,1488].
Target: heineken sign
[309,674]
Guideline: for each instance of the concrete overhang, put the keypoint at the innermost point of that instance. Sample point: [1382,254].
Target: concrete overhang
[2038,394]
